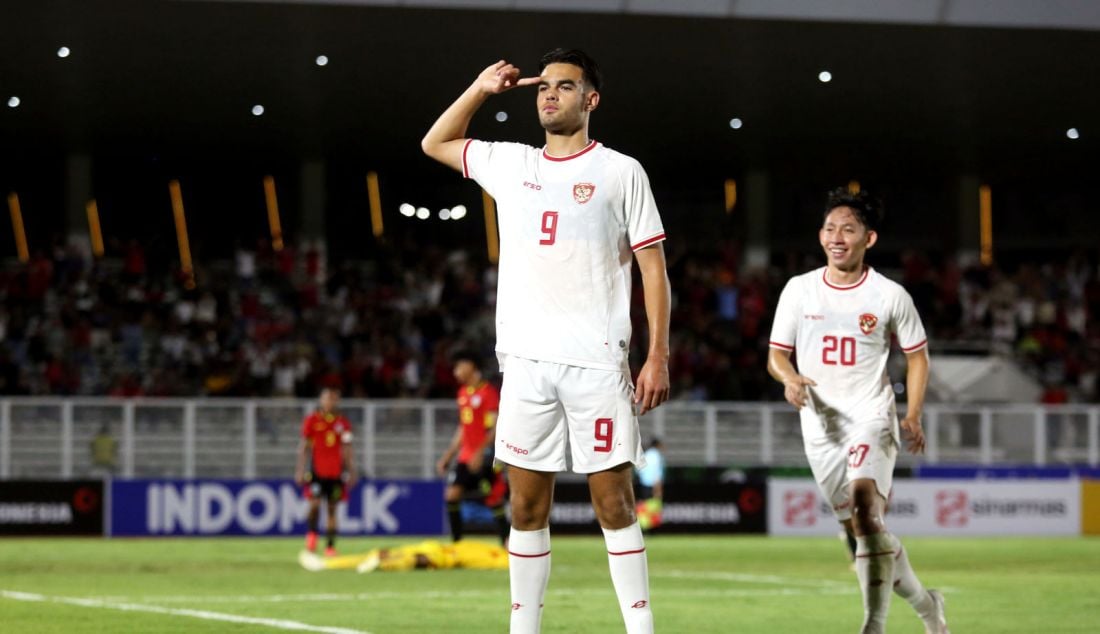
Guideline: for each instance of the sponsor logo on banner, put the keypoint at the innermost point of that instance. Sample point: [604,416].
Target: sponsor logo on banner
[721,507]
[951,507]
[800,508]
[52,507]
[235,507]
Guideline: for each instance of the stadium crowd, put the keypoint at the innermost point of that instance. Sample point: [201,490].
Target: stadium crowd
[283,324]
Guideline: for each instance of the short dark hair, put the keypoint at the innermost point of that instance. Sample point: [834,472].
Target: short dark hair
[467,355]
[589,68]
[867,208]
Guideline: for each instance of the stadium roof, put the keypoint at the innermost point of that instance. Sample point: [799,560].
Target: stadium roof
[186,77]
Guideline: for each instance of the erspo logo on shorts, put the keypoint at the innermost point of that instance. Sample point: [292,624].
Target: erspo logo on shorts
[516,450]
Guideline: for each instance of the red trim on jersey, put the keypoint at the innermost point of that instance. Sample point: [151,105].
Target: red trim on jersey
[781,346]
[529,556]
[825,278]
[465,167]
[627,552]
[916,347]
[587,148]
[648,241]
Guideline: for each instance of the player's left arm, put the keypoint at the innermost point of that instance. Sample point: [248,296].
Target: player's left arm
[486,441]
[653,381]
[347,453]
[916,383]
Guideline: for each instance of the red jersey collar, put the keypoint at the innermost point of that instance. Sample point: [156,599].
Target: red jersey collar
[588,148]
[837,287]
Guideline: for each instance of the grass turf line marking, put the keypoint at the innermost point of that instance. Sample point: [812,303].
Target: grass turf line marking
[205,615]
[750,578]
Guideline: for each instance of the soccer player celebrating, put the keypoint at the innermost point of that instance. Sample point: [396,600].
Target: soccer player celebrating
[839,320]
[326,444]
[474,472]
[574,215]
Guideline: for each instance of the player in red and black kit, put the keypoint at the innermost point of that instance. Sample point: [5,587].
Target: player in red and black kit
[474,474]
[326,443]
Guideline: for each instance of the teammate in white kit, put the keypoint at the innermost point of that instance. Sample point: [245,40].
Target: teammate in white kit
[839,320]
[574,215]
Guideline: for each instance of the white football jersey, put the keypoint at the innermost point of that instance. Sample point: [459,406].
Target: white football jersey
[568,229]
[841,338]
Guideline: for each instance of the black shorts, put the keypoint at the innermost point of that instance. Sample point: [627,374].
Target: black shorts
[474,484]
[331,489]
[642,492]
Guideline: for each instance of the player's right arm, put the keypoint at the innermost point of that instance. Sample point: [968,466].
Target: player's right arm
[782,342]
[452,449]
[446,139]
[300,466]
[782,370]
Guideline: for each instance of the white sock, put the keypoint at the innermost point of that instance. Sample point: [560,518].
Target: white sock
[630,575]
[908,587]
[875,569]
[529,572]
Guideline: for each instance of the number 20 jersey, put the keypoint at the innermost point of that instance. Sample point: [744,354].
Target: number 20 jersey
[841,336]
[568,229]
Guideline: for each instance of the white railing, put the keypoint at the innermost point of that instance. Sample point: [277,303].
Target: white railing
[257,438]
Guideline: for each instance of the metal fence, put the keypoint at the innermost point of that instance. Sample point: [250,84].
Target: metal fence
[257,438]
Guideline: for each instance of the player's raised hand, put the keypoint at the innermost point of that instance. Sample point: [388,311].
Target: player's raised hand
[914,434]
[501,77]
[794,390]
[653,385]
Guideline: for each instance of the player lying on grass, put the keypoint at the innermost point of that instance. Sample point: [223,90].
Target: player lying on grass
[426,555]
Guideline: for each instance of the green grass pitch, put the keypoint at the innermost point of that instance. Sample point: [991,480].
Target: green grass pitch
[699,585]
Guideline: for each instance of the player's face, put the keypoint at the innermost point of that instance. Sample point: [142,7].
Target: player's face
[564,100]
[329,400]
[845,239]
[464,372]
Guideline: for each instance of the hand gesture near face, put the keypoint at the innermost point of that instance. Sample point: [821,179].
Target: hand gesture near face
[501,77]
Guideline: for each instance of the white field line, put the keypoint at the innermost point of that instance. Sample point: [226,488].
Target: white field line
[205,615]
[791,585]
[750,578]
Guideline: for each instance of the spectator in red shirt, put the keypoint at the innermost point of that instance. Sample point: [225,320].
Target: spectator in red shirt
[326,444]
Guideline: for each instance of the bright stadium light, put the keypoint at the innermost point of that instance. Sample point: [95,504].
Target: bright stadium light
[322,60]
[458,212]
[407,210]
[735,123]
[257,110]
[13,101]
[1072,133]
[502,116]
[423,213]
[444,214]
[63,52]
[824,77]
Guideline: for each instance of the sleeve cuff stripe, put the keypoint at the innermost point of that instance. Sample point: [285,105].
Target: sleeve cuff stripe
[781,346]
[916,347]
[648,241]
[465,166]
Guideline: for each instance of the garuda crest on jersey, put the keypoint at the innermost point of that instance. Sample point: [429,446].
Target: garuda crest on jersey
[867,323]
[583,192]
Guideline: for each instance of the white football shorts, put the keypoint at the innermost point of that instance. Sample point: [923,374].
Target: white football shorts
[540,402]
[864,451]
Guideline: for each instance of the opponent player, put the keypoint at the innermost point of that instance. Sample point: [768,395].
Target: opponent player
[839,320]
[574,214]
[326,444]
[474,473]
